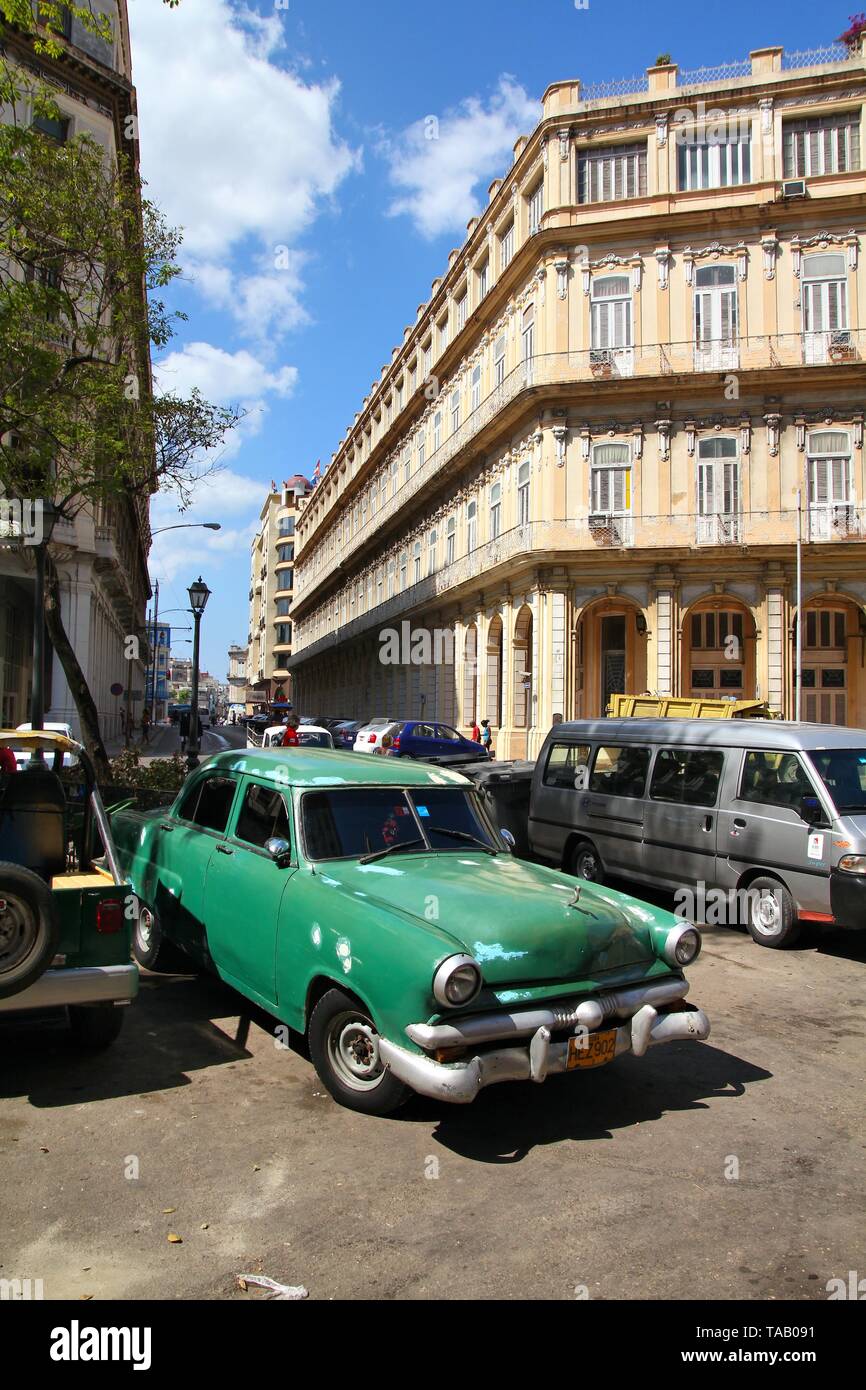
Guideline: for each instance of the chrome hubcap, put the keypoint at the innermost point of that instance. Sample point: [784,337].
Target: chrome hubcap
[18,931]
[145,928]
[353,1047]
[767,914]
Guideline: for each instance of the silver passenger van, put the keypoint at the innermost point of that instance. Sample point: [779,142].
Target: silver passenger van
[763,821]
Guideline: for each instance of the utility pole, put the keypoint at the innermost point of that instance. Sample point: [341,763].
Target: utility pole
[798,655]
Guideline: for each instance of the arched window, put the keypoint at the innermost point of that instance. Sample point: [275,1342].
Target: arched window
[450,539]
[432,547]
[416,562]
[610,311]
[495,510]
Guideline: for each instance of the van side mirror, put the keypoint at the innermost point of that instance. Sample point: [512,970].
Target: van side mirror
[811,810]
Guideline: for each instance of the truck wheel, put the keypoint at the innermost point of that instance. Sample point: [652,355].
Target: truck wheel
[29,928]
[772,920]
[583,862]
[95,1026]
[152,950]
[344,1047]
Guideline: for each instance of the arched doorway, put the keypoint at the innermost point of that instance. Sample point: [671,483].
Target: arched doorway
[609,654]
[718,650]
[493,708]
[521,696]
[470,675]
[831,688]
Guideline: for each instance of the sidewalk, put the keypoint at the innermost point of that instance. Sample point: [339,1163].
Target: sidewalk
[165,740]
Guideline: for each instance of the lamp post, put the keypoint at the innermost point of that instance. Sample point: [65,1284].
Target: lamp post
[199,593]
[188,526]
[50,515]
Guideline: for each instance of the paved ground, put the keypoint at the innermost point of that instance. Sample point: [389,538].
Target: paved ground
[165,740]
[618,1180]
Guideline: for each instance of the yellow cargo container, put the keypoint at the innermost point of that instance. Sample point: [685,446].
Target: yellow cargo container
[685,707]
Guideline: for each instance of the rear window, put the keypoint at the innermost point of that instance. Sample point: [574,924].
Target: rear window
[687,777]
[620,770]
[209,803]
[567,766]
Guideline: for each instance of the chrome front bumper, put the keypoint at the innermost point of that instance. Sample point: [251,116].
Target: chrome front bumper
[537,1056]
[90,984]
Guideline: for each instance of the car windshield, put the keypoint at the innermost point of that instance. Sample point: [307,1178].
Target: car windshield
[843,772]
[352,822]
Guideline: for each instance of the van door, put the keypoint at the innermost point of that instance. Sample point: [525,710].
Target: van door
[679,828]
[561,775]
[612,810]
[761,827]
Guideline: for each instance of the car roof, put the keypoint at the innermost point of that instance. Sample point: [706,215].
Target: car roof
[772,734]
[43,738]
[322,767]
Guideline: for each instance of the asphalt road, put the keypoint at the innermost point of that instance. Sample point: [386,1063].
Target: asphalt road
[729,1169]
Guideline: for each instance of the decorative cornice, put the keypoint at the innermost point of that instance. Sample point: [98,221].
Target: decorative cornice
[714,251]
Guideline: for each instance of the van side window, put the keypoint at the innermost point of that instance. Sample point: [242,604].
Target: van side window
[567,766]
[620,771]
[774,779]
[688,777]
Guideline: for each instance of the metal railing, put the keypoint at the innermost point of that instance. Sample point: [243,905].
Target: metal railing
[815,57]
[753,353]
[822,524]
[722,72]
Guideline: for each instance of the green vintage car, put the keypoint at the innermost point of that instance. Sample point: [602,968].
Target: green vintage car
[373,907]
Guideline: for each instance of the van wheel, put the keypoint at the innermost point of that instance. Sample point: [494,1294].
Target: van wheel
[151,949]
[772,920]
[584,862]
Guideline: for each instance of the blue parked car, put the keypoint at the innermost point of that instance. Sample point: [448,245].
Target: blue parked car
[418,738]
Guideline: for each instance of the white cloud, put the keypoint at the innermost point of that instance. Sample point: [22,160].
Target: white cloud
[227,497]
[266,304]
[223,377]
[232,144]
[470,144]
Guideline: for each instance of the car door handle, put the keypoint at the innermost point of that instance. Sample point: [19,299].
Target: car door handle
[224,849]
[165,825]
[739,823]
[708,823]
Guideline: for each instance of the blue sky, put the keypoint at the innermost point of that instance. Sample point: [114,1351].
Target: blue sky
[287,139]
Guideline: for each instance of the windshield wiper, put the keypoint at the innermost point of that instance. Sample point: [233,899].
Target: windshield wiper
[460,835]
[389,849]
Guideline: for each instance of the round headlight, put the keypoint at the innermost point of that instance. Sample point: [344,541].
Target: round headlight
[682,945]
[457,981]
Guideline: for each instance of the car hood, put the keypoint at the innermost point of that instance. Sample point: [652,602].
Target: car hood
[518,920]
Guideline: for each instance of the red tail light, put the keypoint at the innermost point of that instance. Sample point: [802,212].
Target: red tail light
[109,917]
[395,742]
[371,738]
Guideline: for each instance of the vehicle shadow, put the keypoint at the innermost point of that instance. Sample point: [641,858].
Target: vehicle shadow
[506,1122]
[169,1031]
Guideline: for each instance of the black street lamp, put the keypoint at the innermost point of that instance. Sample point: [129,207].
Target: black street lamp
[50,515]
[199,593]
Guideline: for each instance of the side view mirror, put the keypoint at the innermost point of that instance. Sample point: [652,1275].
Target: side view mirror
[811,810]
[508,838]
[279,849]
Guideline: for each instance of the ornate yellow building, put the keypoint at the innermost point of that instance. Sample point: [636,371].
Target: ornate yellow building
[584,459]
[272,581]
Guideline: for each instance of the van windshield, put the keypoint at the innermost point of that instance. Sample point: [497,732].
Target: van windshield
[843,772]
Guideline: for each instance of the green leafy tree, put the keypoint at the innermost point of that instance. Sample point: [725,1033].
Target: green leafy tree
[85,259]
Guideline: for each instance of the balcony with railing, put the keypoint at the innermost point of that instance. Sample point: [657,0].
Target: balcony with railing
[554,541]
[756,353]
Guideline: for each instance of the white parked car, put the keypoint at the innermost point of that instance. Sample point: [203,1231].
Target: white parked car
[309,736]
[22,755]
[369,737]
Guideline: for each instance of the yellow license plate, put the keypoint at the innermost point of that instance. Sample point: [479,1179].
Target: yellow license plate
[591,1050]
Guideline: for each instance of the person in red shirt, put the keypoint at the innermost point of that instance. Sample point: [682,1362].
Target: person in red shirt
[290,737]
[7,760]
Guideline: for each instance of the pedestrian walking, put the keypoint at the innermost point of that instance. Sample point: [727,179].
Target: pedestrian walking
[476,732]
[184,729]
[145,725]
[486,737]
